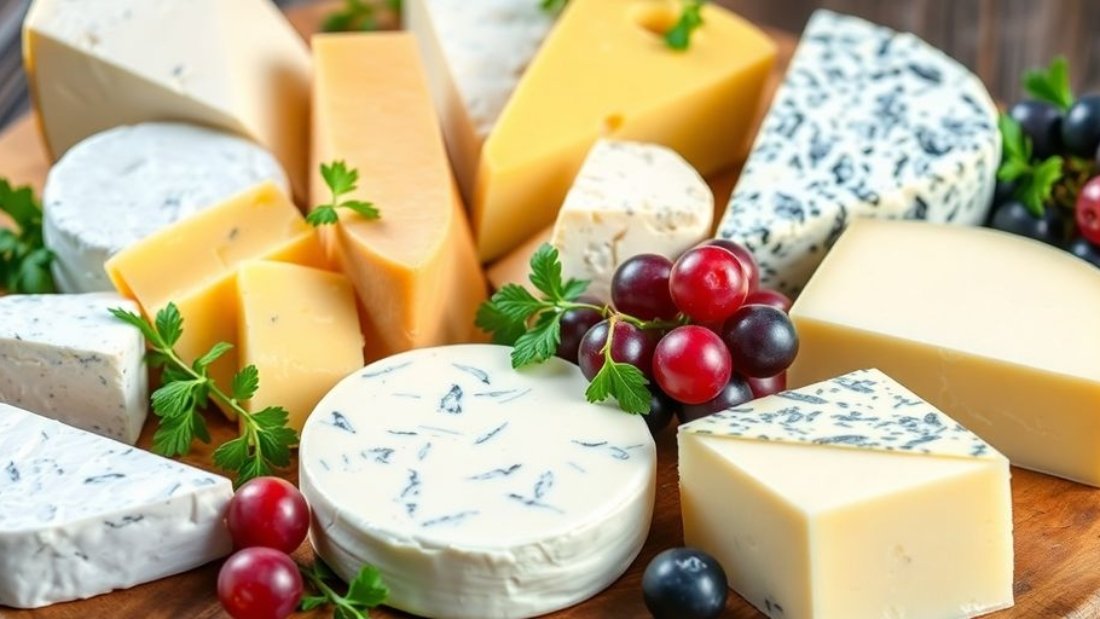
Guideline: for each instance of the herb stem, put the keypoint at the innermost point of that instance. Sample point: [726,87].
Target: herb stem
[319,583]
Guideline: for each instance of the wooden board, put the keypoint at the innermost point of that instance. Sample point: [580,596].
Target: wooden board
[1057,523]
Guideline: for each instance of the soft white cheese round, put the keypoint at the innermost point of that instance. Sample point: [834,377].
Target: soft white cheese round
[478,490]
[118,187]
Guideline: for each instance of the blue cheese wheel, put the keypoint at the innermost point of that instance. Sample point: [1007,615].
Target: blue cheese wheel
[118,187]
[478,490]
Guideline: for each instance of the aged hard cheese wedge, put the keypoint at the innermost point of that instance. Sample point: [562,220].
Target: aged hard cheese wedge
[118,187]
[868,123]
[81,515]
[238,66]
[300,328]
[193,264]
[849,498]
[605,71]
[998,331]
[65,357]
[461,43]
[629,198]
[478,490]
[414,269]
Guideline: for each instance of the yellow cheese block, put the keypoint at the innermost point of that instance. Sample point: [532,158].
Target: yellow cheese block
[605,70]
[300,328]
[194,265]
[998,331]
[414,269]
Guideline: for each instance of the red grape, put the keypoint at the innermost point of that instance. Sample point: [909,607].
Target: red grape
[691,364]
[574,324]
[735,393]
[630,345]
[761,339]
[767,296]
[269,512]
[762,387]
[640,288]
[1088,211]
[708,284]
[744,256]
[259,583]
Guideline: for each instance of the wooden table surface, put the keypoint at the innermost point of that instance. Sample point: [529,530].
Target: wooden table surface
[1057,523]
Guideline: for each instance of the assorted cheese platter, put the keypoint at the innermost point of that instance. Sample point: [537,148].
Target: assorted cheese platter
[294,229]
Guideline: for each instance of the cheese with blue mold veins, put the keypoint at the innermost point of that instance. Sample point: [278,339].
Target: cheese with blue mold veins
[850,498]
[478,490]
[868,123]
[120,186]
[82,515]
[66,357]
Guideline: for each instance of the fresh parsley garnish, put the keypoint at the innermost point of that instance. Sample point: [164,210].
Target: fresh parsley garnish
[623,381]
[341,181]
[264,441]
[553,6]
[1035,181]
[357,15]
[364,593]
[1051,84]
[691,18]
[24,259]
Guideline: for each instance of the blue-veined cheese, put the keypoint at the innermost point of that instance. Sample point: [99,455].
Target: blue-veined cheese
[67,358]
[867,123]
[120,186]
[478,490]
[81,515]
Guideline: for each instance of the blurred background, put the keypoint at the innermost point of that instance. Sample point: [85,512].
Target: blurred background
[997,39]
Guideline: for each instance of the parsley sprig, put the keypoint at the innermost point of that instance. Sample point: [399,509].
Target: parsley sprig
[532,326]
[552,7]
[691,18]
[357,15]
[264,441]
[24,259]
[364,593]
[341,181]
[1051,84]
[1035,181]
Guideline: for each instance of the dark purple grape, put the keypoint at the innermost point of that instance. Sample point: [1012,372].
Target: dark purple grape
[1013,216]
[1003,192]
[1081,127]
[762,340]
[685,583]
[735,393]
[631,345]
[574,324]
[1042,123]
[661,410]
[640,287]
[1084,250]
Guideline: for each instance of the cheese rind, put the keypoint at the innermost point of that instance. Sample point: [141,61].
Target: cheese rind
[65,357]
[118,187]
[439,467]
[867,123]
[927,303]
[81,515]
[629,198]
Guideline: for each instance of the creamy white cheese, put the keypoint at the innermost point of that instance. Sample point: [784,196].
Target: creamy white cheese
[120,186]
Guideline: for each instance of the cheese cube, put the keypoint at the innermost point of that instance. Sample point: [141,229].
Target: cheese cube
[194,265]
[850,498]
[998,330]
[300,328]
[414,269]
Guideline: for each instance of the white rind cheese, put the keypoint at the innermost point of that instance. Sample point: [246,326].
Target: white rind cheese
[67,358]
[867,123]
[479,491]
[120,186]
[629,198]
[81,515]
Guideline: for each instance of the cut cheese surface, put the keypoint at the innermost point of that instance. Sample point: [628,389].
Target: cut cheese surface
[941,308]
[300,328]
[699,102]
[94,66]
[414,269]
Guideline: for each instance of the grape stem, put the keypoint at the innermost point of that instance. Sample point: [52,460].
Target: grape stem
[610,314]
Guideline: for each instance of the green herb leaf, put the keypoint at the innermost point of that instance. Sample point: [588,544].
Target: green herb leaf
[176,399]
[621,381]
[323,215]
[691,18]
[310,602]
[368,590]
[231,455]
[355,15]
[24,259]
[546,272]
[1035,182]
[1051,84]
[245,383]
[553,6]
[574,288]
[366,210]
[215,352]
[1040,187]
[169,325]
[503,329]
[341,180]
[540,343]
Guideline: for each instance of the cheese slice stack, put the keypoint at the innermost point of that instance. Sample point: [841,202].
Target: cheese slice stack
[998,330]
[81,515]
[478,490]
[849,498]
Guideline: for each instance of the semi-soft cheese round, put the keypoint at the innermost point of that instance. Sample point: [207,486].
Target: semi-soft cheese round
[478,490]
[118,187]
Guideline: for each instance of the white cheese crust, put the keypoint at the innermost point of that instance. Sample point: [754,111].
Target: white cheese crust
[478,490]
[66,357]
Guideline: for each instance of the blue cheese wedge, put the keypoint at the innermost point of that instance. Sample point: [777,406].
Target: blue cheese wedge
[122,185]
[66,357]
[629,198]
[478,490]
[868,123]
[850,498]
[82,515]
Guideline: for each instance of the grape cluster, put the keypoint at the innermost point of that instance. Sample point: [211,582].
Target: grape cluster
[701,330]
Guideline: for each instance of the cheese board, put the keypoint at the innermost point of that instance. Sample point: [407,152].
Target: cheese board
[1056,522]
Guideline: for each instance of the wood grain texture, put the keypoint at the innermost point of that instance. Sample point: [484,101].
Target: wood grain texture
[1057,523]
